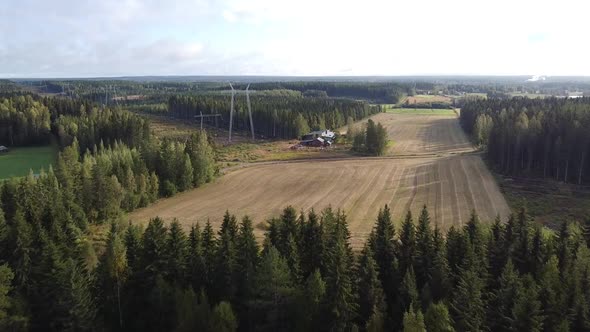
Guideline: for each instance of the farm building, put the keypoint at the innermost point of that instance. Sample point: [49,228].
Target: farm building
[324,134]
[316,142]
[3,149]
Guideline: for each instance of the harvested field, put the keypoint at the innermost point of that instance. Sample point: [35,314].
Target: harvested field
[424,134]
[451,187]
[424,99]
[431,163]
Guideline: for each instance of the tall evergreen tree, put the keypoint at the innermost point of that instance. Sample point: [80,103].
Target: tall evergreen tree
[407,243]
[413,321]
[424,249]
[438,319]
[467,302]
[370,294]
[385,256]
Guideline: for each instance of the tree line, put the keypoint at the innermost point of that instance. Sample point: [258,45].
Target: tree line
[538,137]
[504,276]
[385,92]
[273,116]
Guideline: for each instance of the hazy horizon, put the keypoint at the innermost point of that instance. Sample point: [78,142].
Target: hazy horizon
[110,38]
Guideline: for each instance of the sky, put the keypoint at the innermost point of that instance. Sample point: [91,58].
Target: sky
[88,38]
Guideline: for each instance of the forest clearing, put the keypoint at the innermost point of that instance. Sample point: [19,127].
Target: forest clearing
[19,161]
[451,185]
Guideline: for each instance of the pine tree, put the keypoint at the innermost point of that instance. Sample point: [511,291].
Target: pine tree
[413,321]
[196,260]
[437,318]
[371,300]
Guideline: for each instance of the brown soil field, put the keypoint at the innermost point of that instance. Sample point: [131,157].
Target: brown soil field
[422,99]
[423,134]
[450,185]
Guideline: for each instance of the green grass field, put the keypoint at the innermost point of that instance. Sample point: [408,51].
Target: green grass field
[18,161]
[420,111]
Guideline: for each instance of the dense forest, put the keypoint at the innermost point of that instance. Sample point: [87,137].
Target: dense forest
[283,116]
[512,276]
[542,137]
[389,92]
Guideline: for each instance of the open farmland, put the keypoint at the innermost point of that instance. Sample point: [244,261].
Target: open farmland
[451,185]
[423,133]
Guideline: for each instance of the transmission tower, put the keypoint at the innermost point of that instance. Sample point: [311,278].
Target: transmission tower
[249,110]
[231,111]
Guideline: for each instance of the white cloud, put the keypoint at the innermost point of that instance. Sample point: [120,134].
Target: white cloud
[304,37]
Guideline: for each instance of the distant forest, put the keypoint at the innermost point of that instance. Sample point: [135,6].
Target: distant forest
[282,116]
[540,137]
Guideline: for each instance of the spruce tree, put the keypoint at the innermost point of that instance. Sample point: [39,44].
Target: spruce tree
[21,243]
[440,283]
[424,249]
[311,245]
[247,261]
[413,320]
[274,292]
[467,304]
[177,255]
[503,299]
[225,281]
[437,318]
[223,318]
[407,243]
[385,256]
[527,314]
[196,260]
[339,280]
[371,300]
[154,259]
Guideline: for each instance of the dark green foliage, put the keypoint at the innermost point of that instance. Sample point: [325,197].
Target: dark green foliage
[438,319]
[383,243]
[371,300]
[467,303]
[539,137]
[281,116]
